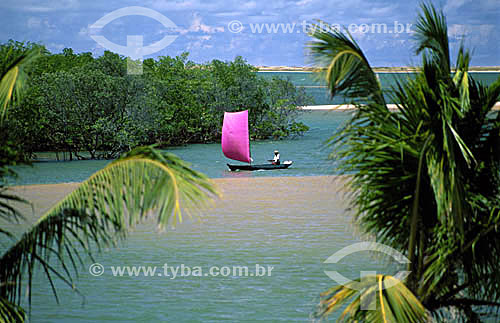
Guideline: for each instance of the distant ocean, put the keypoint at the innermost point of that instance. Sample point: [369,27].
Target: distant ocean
[319,92]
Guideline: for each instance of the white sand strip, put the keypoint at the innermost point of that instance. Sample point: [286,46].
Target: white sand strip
[352,107]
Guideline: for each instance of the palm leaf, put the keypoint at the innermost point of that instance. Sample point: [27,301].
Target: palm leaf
[10,312]
[430,172]
[7,211]
[381,299]
[461,78]
[344,66]
[143,183]
[13,78]
[431,33]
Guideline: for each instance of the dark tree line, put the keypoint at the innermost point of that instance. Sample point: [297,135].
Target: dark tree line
[91,108]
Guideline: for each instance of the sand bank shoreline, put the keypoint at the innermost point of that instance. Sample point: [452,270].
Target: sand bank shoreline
[352,107]
[239,190]
[216,181]
[404,69]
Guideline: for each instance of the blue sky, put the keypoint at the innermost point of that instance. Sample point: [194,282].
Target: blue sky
[203,28]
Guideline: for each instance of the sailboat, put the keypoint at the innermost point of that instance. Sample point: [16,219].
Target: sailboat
[236,143]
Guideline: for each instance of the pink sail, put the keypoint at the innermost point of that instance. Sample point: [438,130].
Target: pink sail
[235,140]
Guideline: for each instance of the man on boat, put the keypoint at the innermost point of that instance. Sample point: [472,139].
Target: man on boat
[276,159]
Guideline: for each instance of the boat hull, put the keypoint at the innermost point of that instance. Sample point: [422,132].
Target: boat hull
[259,167]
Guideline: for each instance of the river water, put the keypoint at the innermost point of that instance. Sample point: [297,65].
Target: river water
[308,153]
[291,220]
[292,224]
[317,89]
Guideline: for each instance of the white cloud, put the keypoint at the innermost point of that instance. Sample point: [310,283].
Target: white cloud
[199,43]
[197,25]
[43,5]
[454,4]
[458,31]
[312,16]
[358,34]
[34,22]
[200,5]
[39,23]
[474,19]
[381,11]
[87,31]
[249,5]
[265,17]
[486,30]
[303,2]
[229,14]
[236,43]
[171,5]
[473,34]
[55,47]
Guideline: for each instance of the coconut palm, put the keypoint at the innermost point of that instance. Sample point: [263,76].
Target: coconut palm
[12,80]
[425,179]
[13,75]
[142,183]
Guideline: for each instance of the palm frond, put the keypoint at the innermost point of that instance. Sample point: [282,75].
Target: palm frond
[461,78]
[381,299]
[344,66]
[7,211]
[143,183]
[13,78]
[431,33]
[492,95]
[430,172]
[10,312]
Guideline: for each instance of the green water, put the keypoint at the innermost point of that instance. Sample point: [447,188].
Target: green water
[317,89]
[307,152]
[290,222]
